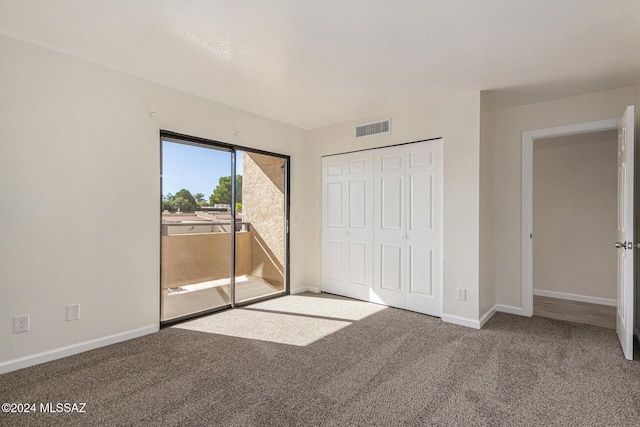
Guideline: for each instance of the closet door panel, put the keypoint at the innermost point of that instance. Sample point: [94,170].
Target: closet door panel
[359,227]
[424,227]
[347,234]
[358,263]
[382,226]
[391,267]
[420,202]
[334,258]
[333,225]
[420,270]
[389,225]
[357,203]
[334,205]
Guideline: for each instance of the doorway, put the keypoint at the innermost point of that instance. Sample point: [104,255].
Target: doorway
[224,226]
[528,138]
[575,222]
[625,243]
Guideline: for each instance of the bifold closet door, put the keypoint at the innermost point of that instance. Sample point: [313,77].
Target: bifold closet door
[347,243]
[408,226]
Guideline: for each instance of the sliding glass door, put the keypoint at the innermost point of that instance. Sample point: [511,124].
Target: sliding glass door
[224,226]
[261,241]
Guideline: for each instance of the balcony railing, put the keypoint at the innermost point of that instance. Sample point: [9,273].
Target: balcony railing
[169,229]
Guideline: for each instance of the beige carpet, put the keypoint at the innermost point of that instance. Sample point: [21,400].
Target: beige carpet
[376,366]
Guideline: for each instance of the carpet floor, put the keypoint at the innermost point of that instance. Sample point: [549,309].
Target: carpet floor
[339,362]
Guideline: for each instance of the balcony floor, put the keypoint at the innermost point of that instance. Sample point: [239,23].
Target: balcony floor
[207,295]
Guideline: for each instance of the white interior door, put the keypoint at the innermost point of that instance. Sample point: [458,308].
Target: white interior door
[624,313]
[407,238]
[347,233]
[359,225]
[389,226]
[423,224]
[334,239]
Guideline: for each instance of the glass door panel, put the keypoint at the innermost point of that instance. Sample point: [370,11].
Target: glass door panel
[260,238]
[196,228]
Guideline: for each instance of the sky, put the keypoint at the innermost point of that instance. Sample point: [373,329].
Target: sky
[197,169]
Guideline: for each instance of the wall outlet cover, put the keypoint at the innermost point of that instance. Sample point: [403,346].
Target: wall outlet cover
[21,323]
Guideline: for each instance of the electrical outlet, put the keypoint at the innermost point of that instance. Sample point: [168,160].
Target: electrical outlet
[21,323]
[462,294]
[73,312]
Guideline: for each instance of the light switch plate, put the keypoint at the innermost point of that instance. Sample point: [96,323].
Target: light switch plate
[73,312]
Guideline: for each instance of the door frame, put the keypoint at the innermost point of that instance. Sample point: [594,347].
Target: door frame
[233,148]
[527,194]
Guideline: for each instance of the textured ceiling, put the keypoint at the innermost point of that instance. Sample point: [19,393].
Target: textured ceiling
[313,63]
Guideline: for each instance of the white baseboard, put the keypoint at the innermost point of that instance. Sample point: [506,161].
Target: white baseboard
[500,308]
[303,289]
[485,318]
[462,321]
[70,350]
[509,309]
[575,297]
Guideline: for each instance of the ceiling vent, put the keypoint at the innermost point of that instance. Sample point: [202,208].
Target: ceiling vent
[373,128]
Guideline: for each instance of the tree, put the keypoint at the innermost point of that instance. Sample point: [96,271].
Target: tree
[167,202]
[185,201]
[182,201]
[222,193]
[200,199]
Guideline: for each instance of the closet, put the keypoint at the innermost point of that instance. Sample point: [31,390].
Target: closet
[382,226]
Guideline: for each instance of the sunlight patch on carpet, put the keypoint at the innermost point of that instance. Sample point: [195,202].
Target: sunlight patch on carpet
[297,320]
[264,326]
[323,306]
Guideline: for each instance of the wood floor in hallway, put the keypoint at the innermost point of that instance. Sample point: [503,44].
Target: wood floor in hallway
[575,311]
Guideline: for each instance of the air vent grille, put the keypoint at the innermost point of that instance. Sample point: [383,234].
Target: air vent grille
[373,128]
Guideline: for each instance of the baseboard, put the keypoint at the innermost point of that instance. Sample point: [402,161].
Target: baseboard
[462,321]
[575,297]
[303,289]
[485,318]
[70,350]
[509,309]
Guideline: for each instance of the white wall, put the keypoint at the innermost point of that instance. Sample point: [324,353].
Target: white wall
[457,120]
[509,125]
[80,185]
[574,214]
[487,204]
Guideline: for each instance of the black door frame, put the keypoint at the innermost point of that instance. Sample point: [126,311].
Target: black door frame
[233,149]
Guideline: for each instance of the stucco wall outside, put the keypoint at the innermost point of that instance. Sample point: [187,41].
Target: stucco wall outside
[263,207]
